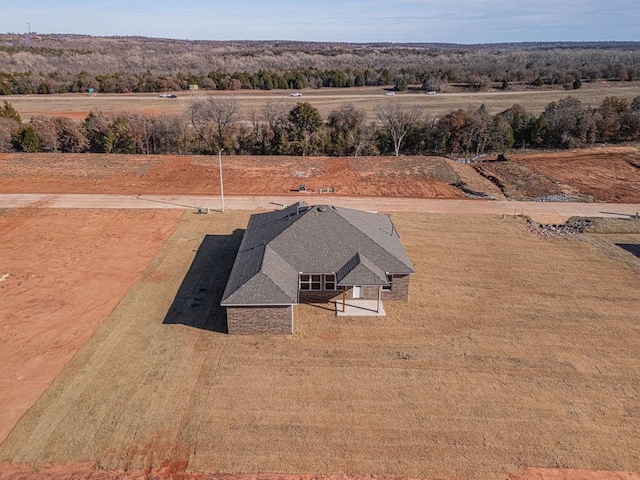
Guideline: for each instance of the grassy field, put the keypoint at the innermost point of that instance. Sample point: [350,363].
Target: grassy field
[79,105]
[513,351]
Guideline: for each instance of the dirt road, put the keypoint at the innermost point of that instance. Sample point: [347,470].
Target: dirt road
[545,212]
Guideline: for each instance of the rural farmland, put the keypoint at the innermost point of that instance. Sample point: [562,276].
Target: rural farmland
[78,106]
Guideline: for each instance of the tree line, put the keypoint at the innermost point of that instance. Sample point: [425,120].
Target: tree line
[211,124]
[74,63]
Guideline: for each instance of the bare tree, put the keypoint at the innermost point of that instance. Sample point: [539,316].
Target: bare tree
[214,117]
[8,129]
[349,132]
[47,131]
[71,138]
[274,114]
[397,121]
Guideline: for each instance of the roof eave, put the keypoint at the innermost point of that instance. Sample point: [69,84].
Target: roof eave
[257,304]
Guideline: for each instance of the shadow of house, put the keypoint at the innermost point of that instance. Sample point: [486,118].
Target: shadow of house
[197,303]
[633,248]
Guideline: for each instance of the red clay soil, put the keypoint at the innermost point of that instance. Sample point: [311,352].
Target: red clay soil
[519,182]
[572,474]
[609,174]
[419,177]
[62,273]
[90,471]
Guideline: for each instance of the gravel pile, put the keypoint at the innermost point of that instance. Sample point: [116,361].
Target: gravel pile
[553,231]
[553,198]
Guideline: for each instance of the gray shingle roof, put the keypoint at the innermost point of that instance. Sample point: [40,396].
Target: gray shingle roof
[359,270]
[278,245]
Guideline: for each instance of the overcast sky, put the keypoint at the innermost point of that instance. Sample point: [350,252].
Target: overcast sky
[462,21]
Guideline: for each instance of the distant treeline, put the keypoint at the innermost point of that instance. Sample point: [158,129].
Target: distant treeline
[28,83]
[211,123]
[67,63]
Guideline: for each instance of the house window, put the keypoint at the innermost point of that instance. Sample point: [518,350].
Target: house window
[390,280]
[310,282]
[330,281]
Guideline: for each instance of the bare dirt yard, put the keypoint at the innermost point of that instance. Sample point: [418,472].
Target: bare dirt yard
[513,352]
[609,174]
[90,471]
[422,177]
[61,274]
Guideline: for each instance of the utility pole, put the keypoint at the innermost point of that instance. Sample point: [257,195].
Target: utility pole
[221,182]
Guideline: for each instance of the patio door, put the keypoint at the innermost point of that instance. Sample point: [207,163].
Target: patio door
[357,292]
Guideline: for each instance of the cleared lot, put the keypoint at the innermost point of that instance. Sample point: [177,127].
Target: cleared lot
[610,174]
[513,351]
[61,274]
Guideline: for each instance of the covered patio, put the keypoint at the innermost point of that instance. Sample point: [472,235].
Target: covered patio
[360,308]
[362,276]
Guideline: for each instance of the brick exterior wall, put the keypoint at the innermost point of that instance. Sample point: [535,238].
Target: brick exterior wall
[278,319]
[252,320]
[323,296]
[319,296]
[399,289]
[368,292]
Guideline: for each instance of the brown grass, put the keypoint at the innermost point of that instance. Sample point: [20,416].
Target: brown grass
[513,351]
[78,105]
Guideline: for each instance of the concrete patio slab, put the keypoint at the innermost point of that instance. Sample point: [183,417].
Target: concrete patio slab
[360,308]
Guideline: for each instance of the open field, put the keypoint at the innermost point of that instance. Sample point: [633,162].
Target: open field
[77,106]
[61,274]
[513,351]
[606,173]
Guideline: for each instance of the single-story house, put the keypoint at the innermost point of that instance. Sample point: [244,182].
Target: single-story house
[312,254]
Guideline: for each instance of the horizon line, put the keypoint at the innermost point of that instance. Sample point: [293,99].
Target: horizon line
[333,42]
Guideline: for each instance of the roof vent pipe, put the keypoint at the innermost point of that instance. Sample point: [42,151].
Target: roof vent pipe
[322,208]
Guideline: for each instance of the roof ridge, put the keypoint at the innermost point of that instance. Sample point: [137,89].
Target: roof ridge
[266,271]
[301,210]
[229,291]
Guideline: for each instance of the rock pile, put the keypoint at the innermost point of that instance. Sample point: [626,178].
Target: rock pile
[572,227]
[554,198]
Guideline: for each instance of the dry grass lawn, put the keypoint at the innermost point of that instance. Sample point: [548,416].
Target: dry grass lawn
[514,351]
